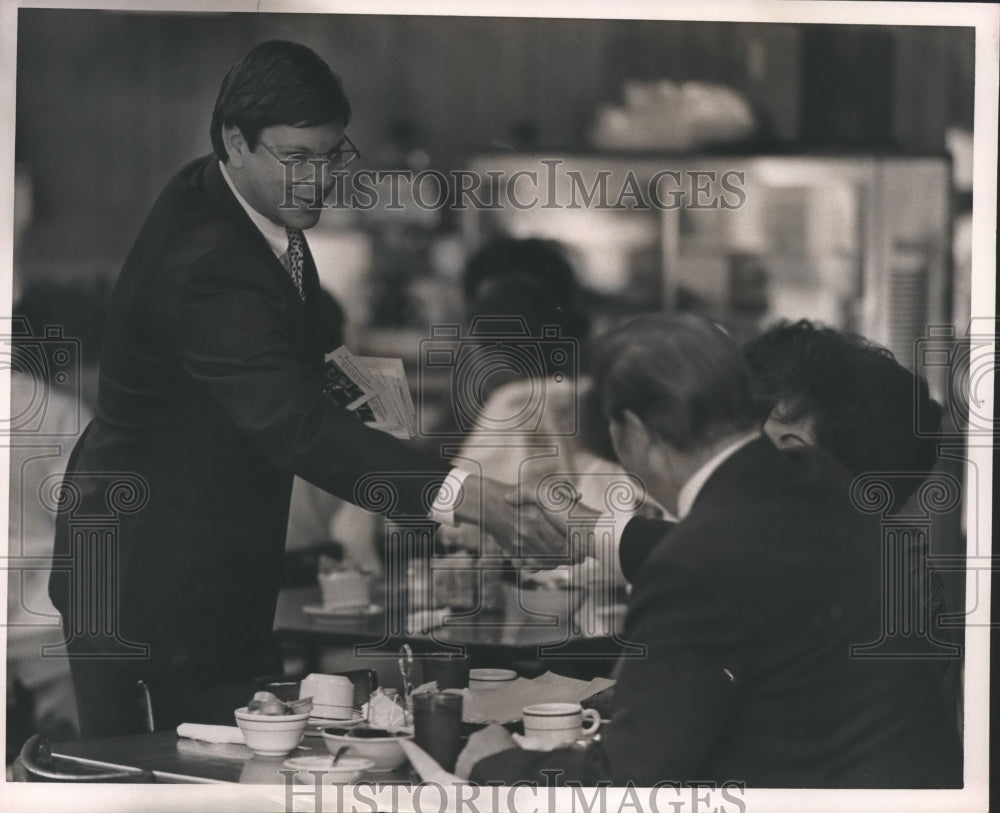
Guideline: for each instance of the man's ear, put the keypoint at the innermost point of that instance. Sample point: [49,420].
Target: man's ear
[629,435]
[235,144]
[636,428]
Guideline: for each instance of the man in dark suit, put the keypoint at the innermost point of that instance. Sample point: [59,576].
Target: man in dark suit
[748,608]
[211,398]
[837,391]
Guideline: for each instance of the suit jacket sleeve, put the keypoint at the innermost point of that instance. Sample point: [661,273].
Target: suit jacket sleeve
[671,705]
[230,332]
[640,536]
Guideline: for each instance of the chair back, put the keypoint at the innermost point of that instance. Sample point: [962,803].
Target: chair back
[365,682]
[37,764]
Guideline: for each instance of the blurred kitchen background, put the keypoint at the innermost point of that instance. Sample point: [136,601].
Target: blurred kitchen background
[855,142]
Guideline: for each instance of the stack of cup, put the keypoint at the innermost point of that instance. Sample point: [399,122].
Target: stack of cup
[332,696]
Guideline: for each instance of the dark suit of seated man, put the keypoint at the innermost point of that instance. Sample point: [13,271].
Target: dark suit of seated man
[748,608]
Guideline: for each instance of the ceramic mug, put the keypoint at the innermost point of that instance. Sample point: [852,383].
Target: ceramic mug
[558,723]
[332,695]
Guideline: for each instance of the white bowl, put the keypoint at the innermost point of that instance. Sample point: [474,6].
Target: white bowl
[347,769]
[271,735]
[385,752]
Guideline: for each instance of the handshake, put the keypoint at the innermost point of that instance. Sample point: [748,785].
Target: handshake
[536,536]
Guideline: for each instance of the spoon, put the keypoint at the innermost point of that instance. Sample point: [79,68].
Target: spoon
[340,753]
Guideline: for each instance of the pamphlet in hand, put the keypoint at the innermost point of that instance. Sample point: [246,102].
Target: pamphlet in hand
[375,388]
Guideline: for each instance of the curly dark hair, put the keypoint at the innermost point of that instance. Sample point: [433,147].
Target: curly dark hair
[862,401]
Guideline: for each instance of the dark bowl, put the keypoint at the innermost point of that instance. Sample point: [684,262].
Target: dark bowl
[365,732]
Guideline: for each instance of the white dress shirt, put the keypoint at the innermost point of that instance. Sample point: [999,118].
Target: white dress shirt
[443,509]
[690,490]
[275,235]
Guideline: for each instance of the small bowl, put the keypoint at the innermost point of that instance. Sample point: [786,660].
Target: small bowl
[347,769]
[271,735]
[377,744]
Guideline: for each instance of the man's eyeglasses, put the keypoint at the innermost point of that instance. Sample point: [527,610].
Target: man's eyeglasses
[337,160]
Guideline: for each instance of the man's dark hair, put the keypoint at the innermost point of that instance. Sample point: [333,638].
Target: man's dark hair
[862,401]
[277,82]
[680,374]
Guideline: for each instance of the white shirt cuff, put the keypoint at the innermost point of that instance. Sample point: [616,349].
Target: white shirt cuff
[448,496]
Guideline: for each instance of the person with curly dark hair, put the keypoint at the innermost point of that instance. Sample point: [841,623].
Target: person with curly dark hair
[818,386]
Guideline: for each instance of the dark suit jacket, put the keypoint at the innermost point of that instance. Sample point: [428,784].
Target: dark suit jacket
[211,392]
[748,608]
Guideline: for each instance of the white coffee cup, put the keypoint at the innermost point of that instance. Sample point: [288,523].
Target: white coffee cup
[333,695]
[558,723]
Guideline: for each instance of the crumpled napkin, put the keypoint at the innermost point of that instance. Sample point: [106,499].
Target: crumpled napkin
[383,712]
[210,733]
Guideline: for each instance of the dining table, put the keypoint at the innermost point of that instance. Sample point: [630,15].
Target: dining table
[174,759]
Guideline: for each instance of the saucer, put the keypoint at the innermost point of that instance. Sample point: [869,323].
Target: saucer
[490,678]
[354,611]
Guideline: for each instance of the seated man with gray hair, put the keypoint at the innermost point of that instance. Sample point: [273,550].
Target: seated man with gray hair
[748,608]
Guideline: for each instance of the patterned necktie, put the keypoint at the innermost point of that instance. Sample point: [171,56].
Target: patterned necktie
[295,258]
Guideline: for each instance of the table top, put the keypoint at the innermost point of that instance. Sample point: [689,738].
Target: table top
[520,632]
[176,759]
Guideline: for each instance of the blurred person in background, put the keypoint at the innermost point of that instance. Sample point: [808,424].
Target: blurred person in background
[530,426]
[748,606]
[212,397]
[48,410]
[528,401]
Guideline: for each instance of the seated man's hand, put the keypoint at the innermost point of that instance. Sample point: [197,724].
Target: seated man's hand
[521,528]
[485,743]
